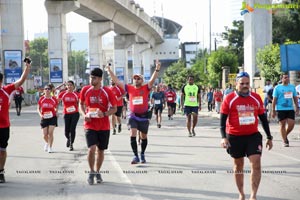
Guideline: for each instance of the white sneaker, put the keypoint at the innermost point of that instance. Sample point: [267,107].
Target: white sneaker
[46,147]
[50,150]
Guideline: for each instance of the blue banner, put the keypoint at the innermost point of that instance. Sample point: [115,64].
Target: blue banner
[289,56]
[12,65]
[56,74]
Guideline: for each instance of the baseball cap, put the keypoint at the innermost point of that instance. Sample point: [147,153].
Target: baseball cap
[138,75]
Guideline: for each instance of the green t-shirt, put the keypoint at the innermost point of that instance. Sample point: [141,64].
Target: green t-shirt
[191,95]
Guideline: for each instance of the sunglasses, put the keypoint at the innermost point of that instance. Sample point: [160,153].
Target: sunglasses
[137,79]
[241,75]
[47,89]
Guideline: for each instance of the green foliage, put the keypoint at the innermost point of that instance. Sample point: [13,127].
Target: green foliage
[77,63]
[286,25]
[216,61]
[235,38]
[177,74]
[268,62]
[39,55]
[31,91]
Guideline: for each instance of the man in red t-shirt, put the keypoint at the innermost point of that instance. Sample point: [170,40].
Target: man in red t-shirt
[96,104]
[240,111]
[171,96]
[138,105]
[5,91]
[218,99]
[119,93]
[18,97]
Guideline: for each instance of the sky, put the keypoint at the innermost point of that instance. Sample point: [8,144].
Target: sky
[193,15]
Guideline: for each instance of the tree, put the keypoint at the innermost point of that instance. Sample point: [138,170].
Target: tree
[268,62]
[216,61]
[177,74]
[77,63]
[235,38]
[286,25]
[39,56]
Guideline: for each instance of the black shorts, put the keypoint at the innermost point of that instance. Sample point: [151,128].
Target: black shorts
[241,146]
[285,114]
[99,138]
[119,111]
[158,108]
[189,109]
[49,122]
[172,105]
[142,126]
[4,136]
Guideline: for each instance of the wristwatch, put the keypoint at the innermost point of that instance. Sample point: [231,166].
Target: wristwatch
[270,137]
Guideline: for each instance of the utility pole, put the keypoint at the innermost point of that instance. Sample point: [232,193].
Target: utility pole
[209,9]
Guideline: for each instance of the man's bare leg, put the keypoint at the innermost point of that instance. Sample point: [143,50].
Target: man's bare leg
[255,174]
[239,176]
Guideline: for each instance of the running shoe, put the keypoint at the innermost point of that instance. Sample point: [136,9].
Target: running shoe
[193,132]
[50,150]
[99,178]
[135,160]
[190,134]
[114,131]
[286,143]
[158,125]
[2,179]
[46,147]
[90,179]
[143,160]
[71,147]
[68,143]
[119,128]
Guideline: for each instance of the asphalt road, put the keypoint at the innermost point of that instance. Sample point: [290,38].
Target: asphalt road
[178,167]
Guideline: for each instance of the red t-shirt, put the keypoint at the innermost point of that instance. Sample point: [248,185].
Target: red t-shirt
[94,100]
[118,92]
[48,106]
[138,98]
[4,104]
[70,101]
[170,96]
[218,96]
[19,91]
[242,113]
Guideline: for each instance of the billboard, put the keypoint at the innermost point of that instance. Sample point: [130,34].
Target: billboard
[289,57]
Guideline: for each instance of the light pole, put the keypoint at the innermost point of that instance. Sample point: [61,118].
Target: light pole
[209,10]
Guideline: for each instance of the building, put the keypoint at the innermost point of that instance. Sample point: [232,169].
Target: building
[189,51]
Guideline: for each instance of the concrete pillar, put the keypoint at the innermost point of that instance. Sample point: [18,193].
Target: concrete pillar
[137,50]
[147,62]
[12,34]
[225,73]
[257,34]
[96,31]
[97,58]
[57,37]
[121,45]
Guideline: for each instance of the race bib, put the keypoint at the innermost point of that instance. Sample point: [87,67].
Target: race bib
[246,118]
[192,99]
[170,98]
[157,101]
[288,95]
[70,109]
[47,115]
[93,112]
[137,100]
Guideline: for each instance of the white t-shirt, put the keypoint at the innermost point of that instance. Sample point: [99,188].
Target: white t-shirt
[298,94]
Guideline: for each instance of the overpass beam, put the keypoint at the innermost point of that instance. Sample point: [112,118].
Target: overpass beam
[121,45]
[57,37]
[96,31]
